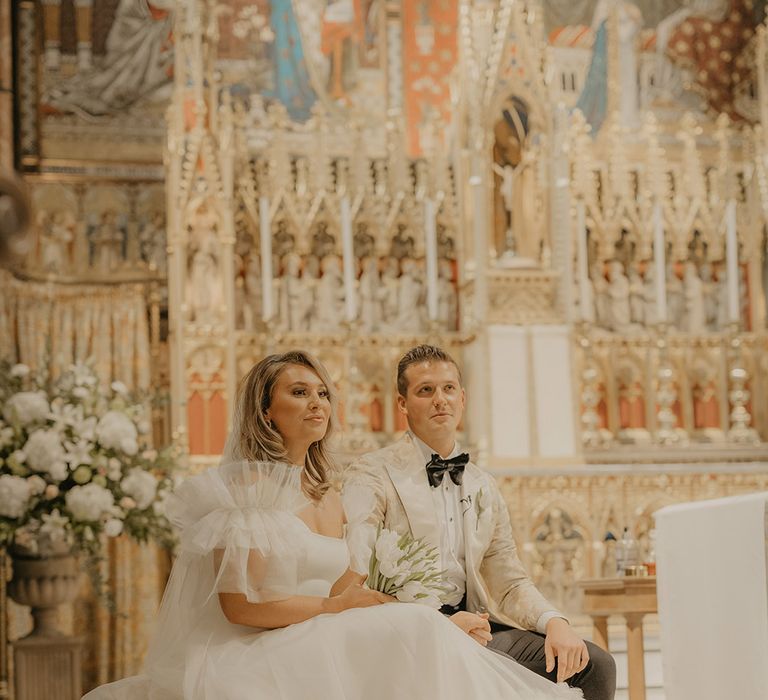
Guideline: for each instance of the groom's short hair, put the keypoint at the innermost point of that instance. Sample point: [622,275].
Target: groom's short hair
[417,355]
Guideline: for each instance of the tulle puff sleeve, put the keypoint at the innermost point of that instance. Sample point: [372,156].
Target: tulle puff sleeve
[243,514]
[238,533]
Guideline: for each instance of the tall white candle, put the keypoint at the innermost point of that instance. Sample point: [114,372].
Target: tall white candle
[348,259]
[732,261]
[582,261]
[660,264]
[430,252]
[265,236]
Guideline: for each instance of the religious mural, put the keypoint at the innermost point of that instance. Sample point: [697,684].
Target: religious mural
[690,56]
[105,70]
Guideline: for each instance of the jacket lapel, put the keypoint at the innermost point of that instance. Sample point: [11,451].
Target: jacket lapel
[475,537]
[470,486]
[409,477]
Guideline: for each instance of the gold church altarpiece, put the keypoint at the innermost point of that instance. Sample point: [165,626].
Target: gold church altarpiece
[439,188]
[328,211]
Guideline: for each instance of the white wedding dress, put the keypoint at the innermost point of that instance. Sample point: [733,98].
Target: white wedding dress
[240,533]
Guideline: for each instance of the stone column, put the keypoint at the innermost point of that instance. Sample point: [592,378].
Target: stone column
[52,33]
[477,355]
[561,230]
[394,58]
[84,24]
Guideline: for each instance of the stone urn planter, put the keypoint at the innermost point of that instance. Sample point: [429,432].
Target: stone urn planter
[44,583]
[47,662]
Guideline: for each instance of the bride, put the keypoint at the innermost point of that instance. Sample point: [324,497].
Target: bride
[261,601]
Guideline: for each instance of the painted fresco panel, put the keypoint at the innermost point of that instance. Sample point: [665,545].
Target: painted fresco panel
[109,103]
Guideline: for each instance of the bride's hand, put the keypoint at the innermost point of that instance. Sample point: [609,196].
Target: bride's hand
[475,625]
[355,596]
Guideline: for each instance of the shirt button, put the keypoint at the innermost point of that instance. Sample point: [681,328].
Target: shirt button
[450,520]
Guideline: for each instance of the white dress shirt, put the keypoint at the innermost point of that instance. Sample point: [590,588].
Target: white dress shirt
[450,518]
[445,499]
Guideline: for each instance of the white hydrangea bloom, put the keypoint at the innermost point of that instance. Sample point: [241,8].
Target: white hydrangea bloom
[27,407]
[115,429]
[54,529]
[129,446]
[141,486]
[36,484]
[26,537]
[78,452]
[88,503]
[20,370]
[119,388]
[14,496]
[83,375]
[113,527]
[45,454]
[6,436]
[114,469]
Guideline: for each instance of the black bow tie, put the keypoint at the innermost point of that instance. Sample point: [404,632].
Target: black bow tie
[437,466]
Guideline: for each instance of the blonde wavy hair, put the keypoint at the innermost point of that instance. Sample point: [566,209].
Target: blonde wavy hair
[255,437]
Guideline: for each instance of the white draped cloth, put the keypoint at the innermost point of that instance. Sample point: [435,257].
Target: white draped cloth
[240,533]
[713,598]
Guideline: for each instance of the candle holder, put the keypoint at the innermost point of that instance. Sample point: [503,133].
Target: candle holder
[667,432]
[740,430]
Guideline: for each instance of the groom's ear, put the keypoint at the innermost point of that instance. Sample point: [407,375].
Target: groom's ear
[401,404]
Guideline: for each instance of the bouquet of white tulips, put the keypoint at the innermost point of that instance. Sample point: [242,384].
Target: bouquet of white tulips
[405,568]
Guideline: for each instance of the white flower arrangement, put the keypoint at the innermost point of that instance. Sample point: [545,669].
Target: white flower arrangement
[405,568]
[74,466]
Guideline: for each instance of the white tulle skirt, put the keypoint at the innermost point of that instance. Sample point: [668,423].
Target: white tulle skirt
[379,653]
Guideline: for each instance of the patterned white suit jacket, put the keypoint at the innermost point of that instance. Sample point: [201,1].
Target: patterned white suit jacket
[496,579]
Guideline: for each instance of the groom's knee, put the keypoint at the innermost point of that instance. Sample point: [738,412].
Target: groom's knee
[599,677]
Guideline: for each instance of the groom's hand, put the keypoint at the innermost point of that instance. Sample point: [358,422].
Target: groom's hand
[571,651]
[475,625]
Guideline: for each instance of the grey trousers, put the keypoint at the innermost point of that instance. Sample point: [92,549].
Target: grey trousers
[597,680]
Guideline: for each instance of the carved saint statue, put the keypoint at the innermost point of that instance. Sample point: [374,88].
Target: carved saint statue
[636,295]
[410,298]
[204,292]
[152,245]
[56,237]
[709,291]
[600,286]
[694,319]
[675,298]
[370,286]
[253,291]
[403,245]
[388,293]
[650,312]
[330,297]
[295,298]
[107,240]
[447,299]
[507,192]
[618,298]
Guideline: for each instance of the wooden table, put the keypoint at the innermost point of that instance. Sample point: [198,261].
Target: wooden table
[633,597]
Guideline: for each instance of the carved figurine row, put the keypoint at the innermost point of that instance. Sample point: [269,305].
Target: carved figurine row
[624,299]
[101,243]
[309,294]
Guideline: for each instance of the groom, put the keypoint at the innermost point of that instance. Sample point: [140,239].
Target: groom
[423,483]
